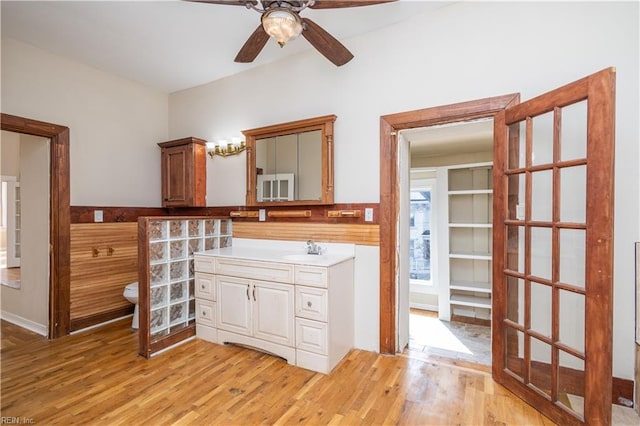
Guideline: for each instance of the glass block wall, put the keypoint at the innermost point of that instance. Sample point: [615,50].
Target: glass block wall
[172,243]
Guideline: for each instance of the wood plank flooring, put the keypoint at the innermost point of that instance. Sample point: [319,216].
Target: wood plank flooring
[96,378]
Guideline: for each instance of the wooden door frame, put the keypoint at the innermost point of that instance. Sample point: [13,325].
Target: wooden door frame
[389,190]
[59,216]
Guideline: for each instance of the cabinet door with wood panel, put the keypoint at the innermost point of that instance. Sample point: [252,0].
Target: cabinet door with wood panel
[184,173]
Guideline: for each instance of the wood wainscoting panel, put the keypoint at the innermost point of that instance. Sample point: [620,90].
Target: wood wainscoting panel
[368,235]
[104,259]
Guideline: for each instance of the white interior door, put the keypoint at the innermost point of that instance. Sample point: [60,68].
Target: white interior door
[402,250]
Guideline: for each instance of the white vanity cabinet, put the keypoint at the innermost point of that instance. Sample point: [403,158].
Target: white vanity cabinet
[299,311]
[257,309]
[324,315]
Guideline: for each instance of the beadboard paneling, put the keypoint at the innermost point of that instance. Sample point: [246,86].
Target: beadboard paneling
[368,235]
[97,282]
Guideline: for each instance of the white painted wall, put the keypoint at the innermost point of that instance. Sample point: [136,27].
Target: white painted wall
[466,51]
[28,306]
[115,123]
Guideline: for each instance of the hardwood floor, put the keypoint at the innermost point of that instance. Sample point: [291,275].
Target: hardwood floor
[96,378]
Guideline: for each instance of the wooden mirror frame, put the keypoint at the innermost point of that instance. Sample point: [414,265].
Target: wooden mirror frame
[325,125]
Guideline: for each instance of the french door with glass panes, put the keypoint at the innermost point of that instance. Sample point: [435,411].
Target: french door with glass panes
[553,250]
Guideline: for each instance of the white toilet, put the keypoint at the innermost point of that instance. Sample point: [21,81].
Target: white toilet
[131,294]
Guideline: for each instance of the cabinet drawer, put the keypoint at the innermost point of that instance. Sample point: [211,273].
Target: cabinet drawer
[204,264]
[279,272]
[311,275]
[311,303]
[205,286]
[311,336]
[206,312]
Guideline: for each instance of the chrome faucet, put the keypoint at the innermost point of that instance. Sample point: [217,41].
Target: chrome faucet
[313,248]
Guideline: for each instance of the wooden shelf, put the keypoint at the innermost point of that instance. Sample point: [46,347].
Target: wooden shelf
[473,256]
[478,287]
[468,300]
[471,192]
[469,201]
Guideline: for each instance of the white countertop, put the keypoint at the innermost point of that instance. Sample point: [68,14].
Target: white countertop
[288,255]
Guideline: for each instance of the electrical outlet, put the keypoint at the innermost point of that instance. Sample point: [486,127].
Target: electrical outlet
[97,216]
[261,215]
[368,214]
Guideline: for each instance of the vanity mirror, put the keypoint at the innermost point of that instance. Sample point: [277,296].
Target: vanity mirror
[291,163]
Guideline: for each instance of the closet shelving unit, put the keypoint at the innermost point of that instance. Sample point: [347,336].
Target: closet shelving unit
[470,201]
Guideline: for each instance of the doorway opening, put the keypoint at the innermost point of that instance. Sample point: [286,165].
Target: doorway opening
[59,215]
[10,232]
[450,239]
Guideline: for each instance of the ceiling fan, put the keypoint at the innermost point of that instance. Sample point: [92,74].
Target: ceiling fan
[281,20]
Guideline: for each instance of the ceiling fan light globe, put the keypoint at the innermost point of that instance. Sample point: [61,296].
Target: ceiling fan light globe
[281,24]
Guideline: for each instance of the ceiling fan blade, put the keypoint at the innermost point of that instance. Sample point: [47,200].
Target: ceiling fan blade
[254,44]
[226,2]
[325,43]
[337,4]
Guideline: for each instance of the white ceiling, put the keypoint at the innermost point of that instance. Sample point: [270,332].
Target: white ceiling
[468,136]
[173,45]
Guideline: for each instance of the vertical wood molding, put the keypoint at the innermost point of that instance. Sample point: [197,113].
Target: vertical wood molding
[389,125]
[59,215]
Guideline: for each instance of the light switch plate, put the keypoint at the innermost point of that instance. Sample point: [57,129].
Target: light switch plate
[97,216]
[261,215]
[368,214]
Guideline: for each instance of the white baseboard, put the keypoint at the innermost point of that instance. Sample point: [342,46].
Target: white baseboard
[25,323]
[423,306]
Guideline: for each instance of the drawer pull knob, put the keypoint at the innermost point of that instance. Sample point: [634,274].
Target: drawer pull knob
[202,286]
[308,304]
[204,313]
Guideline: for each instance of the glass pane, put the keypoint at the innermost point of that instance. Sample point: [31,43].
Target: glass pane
[540,367]
[574,131]
[178,249]
[210,227]
[420,235]
[571,382]
[158,296]
[225,227]
[178,270]
[516,152]
[178,292]
[514,352]
[572,320]
[516,198]
[158,273]
[195,245]
[515,248]
[572,256]
[284,189]
[541,196]
[573,194]
[515,300]
[542,139]
[266,189]
[541,252]
[157,252]
[157,230]
[195,227]
[541,308]
[176,228]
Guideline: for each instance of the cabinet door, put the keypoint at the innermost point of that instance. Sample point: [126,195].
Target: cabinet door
[273,310]
[234,304]
[176,176]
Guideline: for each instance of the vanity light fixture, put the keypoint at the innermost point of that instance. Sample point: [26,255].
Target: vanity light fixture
[224,148]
